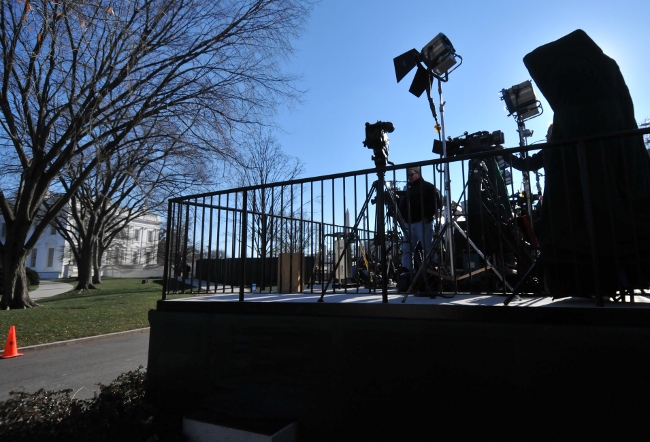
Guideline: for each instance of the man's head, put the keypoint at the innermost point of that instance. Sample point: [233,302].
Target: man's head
[549,133]
[413,174]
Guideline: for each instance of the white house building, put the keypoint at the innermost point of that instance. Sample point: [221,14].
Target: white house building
[133,252]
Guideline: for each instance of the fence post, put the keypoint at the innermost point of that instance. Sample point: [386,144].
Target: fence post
[167,250]
[242,253]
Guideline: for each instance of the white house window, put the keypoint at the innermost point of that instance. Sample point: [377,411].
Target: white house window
[52,230]
[33,258]
[136,234]
[150,236]
[50,257]
[135,257]
[148,257]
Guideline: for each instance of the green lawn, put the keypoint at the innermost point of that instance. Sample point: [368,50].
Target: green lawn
[118,304]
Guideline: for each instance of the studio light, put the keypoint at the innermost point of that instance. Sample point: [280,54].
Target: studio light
[438,54]
[438,57]
[521,101]
[436,60]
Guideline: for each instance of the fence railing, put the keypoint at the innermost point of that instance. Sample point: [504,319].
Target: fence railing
[576,224]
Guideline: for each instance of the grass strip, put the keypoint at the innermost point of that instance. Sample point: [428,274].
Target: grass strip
[117,304]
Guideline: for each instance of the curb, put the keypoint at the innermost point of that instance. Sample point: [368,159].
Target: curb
[83,340]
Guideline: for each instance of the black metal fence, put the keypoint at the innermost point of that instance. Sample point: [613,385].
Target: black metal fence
[576,224]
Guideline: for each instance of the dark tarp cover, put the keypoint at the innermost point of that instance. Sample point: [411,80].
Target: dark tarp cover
[589,97]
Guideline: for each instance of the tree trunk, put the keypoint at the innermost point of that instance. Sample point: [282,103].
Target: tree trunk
[97,264]
[85,266]
[97,274]
[16,284]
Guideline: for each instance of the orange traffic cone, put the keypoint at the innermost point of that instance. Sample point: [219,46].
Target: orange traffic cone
[11,347]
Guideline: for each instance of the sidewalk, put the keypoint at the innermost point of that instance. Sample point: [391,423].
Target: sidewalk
[47,288]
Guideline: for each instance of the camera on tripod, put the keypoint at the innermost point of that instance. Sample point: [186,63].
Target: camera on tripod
[470,143]
[377,140]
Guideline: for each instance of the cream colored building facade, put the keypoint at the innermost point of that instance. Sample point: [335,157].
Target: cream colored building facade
[133,252]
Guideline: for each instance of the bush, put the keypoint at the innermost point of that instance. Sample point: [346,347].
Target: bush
[33,276]
[120,412]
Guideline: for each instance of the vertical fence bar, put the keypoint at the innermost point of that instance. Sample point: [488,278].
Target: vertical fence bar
[255,244]
[315,253]
[168,245]
[264,240]
[209,258]
[303,225]
[290,238]
[199,271]
[186,236]
[322,236]
[192,267]
[231,262]
[244,236]
[177,245]
[220,267]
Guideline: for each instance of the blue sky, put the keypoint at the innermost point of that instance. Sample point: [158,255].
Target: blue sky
[346,62]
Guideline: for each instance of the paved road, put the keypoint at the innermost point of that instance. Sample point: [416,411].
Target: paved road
[78,364]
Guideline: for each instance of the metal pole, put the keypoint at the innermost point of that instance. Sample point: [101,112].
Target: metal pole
[448,215]
[168,260]
[381,233]
[526,175]
[242,254]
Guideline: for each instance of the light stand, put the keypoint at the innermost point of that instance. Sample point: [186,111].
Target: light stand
[435,60]
[446,232]
[447,185]
[522,104]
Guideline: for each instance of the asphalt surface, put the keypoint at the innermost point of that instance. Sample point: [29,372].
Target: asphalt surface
[79,364]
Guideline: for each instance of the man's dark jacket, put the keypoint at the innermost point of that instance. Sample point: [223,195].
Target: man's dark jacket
[421,202]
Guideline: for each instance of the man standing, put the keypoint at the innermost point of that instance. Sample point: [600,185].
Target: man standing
[418,208]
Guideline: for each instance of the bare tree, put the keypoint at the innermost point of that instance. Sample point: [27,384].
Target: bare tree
[147,169]
[275,209]
[72,68]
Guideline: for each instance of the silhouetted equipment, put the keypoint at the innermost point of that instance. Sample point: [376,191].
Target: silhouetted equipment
[377,140]
[470,143]
[594,230]
[439,56]
[521,101]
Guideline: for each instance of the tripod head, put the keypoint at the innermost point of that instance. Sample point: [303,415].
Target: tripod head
[377,140]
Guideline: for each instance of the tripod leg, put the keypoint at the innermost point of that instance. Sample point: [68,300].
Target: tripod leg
[422,268]
[482,255]
[348,241]
[519,284]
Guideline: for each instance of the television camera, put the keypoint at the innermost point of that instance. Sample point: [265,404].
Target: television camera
[377,140]
[470,143]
